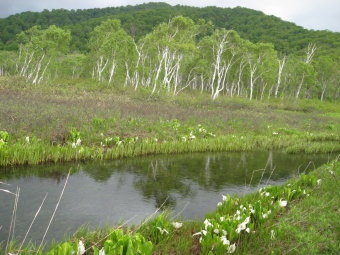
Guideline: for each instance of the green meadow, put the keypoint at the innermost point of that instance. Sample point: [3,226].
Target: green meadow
[43,123]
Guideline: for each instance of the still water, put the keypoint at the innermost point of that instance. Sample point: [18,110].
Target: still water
[100,193]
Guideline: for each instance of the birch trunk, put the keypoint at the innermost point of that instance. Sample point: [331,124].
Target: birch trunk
[281,65]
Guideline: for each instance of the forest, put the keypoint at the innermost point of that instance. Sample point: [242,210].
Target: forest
[177,55]
[167,108]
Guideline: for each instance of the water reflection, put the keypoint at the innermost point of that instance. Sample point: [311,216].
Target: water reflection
[105,192]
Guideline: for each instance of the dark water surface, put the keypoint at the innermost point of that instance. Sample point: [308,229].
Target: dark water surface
[100,193]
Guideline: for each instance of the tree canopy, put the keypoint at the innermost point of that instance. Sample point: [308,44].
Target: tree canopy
[140,20]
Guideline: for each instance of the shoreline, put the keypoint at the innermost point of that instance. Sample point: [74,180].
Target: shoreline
[311,188]
[40,153]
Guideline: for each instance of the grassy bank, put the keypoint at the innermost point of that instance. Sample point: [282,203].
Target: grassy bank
[35,152]
[308,226]
[299,217]
[121,122]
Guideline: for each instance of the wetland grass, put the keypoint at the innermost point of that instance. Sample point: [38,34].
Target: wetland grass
[40,152]
[45,113]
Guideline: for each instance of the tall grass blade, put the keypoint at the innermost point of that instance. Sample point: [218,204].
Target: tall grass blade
[35,216]
[55,209]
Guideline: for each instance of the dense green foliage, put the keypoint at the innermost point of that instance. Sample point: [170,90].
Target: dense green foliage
[141,19]
[148,46]
[113,83]
[176,56]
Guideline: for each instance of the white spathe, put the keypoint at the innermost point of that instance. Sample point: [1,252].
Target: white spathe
[81,248]
[177,225]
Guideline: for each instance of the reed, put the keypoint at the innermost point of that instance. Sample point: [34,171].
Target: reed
[40,152]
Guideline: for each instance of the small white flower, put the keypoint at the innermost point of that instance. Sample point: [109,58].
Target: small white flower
[177,225]
[264,216]
[269,212]
[231,248]
[81,248]
[207,223]
[283,203]
[238,212]
[248,230]
[156,140]
[78,142]
[247,220]
[102,252]
[332,172]
[74,145]
[204,232]
[197,234]
[238,217]
[224,232]
[275,133]
[243,225]
[162,230]
[318,181]
[216,231]
[224,240]
[184,139]
[272,234]
[221,218]
[267,194]
[224,198]
[252,211]
[27,139]
[192,136]
[219,204]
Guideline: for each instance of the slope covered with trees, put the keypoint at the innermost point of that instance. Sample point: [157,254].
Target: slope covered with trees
[141,19]
[175,56]
[221,51]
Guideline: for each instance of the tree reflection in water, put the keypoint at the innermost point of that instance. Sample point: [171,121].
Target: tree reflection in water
[165,177]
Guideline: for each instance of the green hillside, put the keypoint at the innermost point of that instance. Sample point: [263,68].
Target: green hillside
[141,19]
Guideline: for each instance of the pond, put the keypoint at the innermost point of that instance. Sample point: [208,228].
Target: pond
[100,193]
